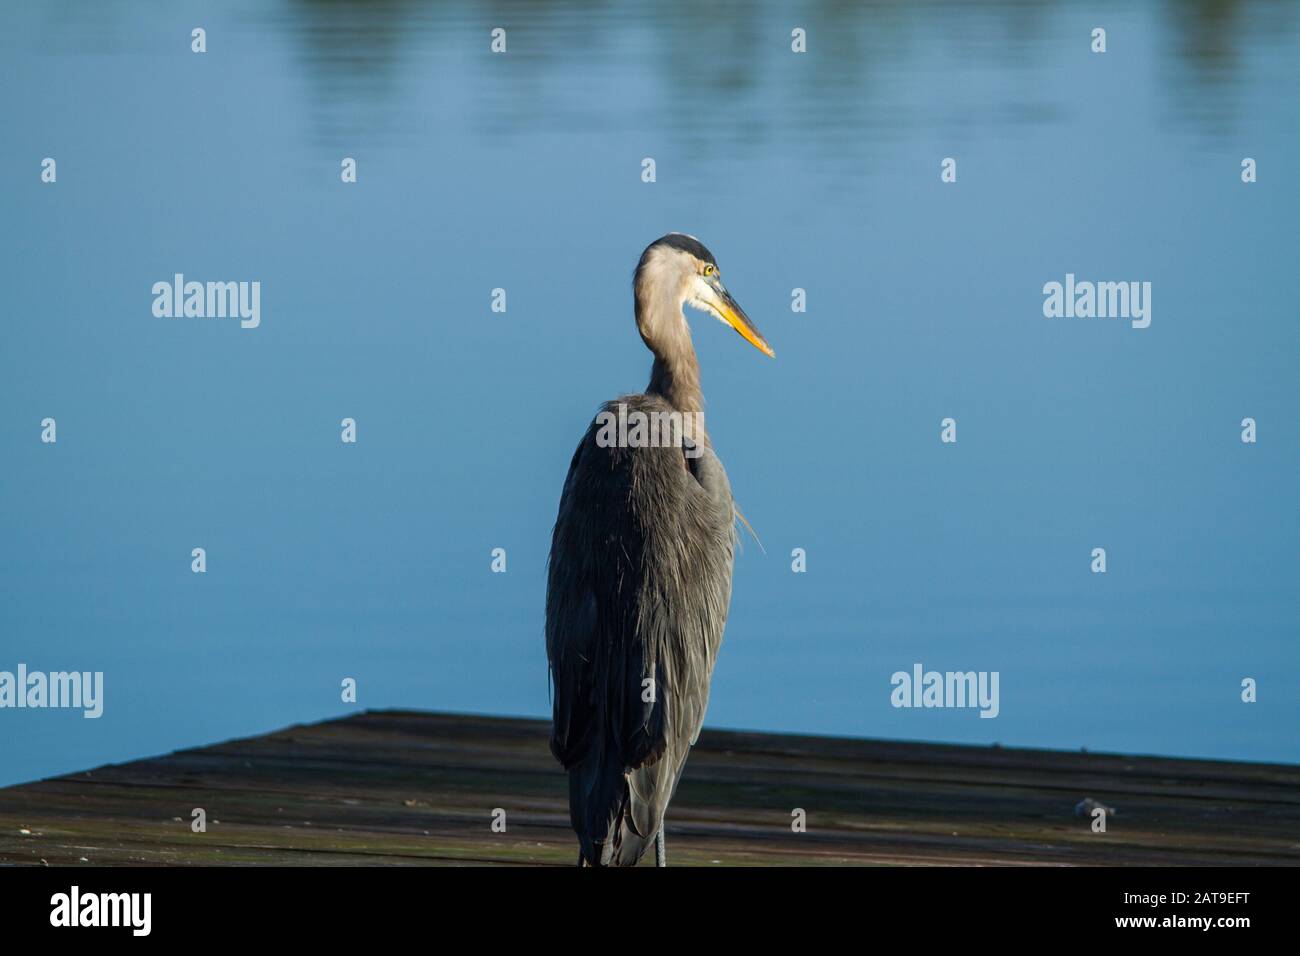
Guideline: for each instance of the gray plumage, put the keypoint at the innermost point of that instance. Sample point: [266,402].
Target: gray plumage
[639,581]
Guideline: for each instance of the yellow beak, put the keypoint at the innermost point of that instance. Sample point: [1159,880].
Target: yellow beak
[735,317]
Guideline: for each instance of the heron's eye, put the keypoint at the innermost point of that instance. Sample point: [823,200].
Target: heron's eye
[709,270]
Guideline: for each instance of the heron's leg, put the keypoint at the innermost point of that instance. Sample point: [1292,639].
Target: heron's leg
[581,861]
[661,856]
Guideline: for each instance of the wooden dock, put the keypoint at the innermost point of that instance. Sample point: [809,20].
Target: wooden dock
[405,788]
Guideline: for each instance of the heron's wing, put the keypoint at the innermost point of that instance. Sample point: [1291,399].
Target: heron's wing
[597,662]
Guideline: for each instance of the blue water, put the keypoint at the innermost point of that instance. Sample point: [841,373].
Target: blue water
[522,171]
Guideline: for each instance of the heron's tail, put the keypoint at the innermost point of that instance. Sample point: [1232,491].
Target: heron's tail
[600,808]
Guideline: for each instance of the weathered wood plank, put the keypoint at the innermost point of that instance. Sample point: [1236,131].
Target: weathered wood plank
[405,788]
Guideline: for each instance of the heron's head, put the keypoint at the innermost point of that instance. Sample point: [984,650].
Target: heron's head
[677,270]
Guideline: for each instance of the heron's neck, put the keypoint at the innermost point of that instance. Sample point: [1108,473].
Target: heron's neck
[675,375]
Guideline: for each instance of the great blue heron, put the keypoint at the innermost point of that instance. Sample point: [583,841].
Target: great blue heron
[640,574]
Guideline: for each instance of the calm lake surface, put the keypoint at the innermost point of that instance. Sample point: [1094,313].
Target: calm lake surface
[523,171]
